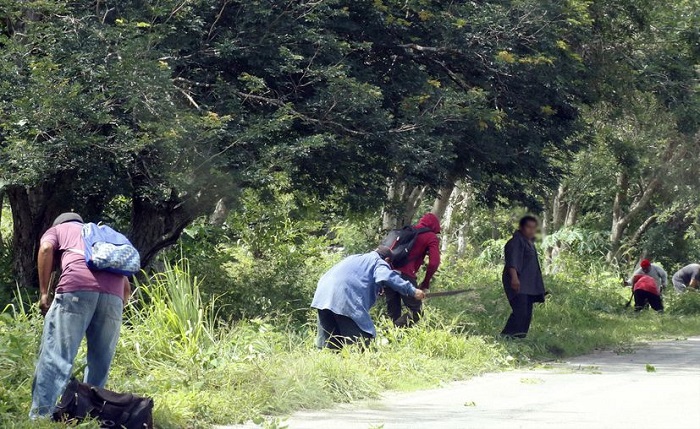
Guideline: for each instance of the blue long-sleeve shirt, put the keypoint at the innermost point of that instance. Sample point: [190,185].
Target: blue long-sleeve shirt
[351,288]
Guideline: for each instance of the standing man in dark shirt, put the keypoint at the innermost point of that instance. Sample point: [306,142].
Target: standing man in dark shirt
[522,278]
[427,244]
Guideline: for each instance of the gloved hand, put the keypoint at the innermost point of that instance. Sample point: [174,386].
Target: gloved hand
[424,285]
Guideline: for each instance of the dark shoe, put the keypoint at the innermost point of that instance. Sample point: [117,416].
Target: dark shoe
[513,336]
[402,321]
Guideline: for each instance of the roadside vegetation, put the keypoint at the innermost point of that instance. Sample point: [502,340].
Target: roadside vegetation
[203,369]
[246,146]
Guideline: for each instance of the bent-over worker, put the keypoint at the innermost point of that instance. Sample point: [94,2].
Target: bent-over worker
[88,304]
[652,270]
[687,277]
[646,292]
[347,291]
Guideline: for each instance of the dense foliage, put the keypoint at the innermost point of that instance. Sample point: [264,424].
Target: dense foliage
[262,140]
[152,115]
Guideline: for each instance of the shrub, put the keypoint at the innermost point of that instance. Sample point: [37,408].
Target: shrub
[683,304]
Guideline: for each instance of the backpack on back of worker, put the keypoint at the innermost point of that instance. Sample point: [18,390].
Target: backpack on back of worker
[401,242]
[109,250]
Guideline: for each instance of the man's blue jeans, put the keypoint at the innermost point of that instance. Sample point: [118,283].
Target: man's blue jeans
[72,316]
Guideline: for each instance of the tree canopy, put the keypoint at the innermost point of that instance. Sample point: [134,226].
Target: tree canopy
[155,114]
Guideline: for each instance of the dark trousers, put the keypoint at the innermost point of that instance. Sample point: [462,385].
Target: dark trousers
[336,331]
[394,307]
[643,297]
[519,321]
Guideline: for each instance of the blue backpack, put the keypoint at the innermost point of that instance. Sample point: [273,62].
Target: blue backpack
[109,250]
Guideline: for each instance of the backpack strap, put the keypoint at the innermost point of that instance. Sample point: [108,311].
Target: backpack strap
[419,231]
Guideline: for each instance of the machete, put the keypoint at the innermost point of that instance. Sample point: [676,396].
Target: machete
[448,293]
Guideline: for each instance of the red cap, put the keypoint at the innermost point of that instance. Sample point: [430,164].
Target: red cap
[645,263]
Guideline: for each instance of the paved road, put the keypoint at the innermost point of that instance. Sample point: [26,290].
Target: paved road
[655,386]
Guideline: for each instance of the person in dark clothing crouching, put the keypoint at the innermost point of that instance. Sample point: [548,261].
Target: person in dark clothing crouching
[646,292]
[522,278]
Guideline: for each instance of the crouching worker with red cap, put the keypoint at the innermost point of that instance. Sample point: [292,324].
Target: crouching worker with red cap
[347,291]
[652,270]
[646,292]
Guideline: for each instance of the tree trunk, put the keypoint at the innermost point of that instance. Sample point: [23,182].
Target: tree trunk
[458,203]
[412,203]
[218,217]
[443,207]
[558,209]
[569,220]
[403,202]
[571,215]
[621,219]
[33,211]
[156,225]
[617,228]
[446,227]
[390,212]
[25,233]
[442,202]
[545,217]
[641,230]
[560,213]
[2,205]
[461,240]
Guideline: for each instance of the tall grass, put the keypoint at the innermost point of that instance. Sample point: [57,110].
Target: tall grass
[173,316]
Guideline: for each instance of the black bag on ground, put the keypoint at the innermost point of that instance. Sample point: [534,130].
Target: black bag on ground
[110,409]
[400,242]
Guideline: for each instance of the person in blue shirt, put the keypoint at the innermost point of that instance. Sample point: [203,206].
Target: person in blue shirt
[347,291]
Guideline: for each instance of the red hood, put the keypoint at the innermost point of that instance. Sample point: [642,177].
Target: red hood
[431,221]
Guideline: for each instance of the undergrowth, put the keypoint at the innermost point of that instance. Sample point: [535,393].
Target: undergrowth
[203,370]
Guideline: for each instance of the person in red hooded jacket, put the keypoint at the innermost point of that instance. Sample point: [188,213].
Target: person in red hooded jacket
[427,244]
[646,292]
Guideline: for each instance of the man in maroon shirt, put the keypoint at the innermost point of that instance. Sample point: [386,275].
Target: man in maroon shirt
[88,304]
[427,244]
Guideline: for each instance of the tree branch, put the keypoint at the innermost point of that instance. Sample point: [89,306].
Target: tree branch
[453,76]
[643,229]
[281,104]
[218,18]
[188,97]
